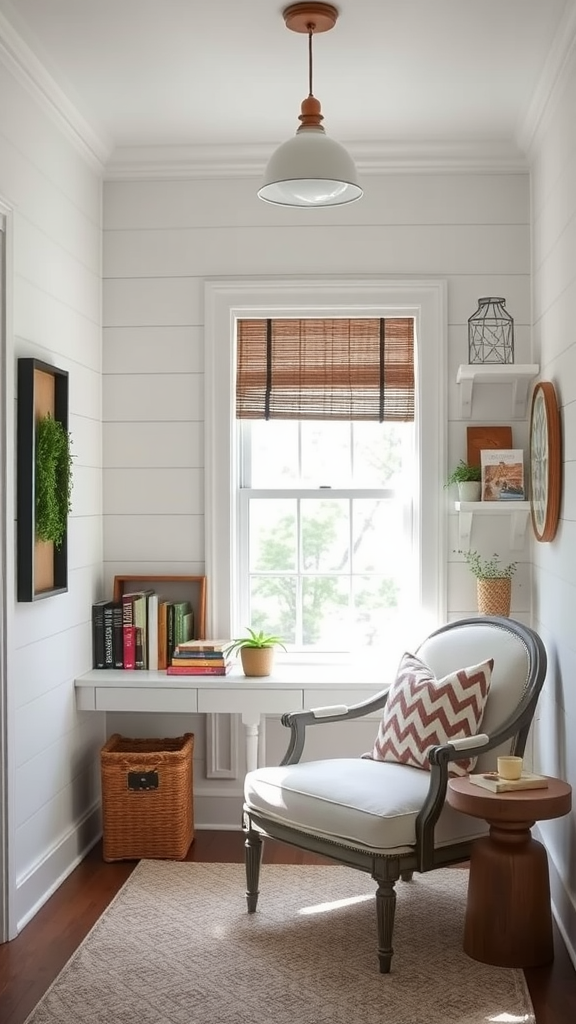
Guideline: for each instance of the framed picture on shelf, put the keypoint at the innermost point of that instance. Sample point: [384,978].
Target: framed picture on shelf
[480,439]
[502,474]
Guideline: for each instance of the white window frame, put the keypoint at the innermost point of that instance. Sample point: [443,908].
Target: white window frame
[226,301]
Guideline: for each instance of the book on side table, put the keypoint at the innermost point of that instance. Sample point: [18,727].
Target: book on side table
[493,782]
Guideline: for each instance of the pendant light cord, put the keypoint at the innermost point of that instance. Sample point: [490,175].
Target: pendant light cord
[310,34]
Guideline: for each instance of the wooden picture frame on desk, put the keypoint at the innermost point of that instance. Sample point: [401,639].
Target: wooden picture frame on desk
[140,582]
[42,568]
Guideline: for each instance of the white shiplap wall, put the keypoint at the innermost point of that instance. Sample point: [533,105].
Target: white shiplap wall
[164,238]
[554,268]
[54,288]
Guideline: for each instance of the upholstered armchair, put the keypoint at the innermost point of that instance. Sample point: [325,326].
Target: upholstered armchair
[380,813]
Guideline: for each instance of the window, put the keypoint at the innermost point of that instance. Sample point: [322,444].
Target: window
[333,561]
[325,410]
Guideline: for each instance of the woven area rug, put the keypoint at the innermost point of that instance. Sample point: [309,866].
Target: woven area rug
[177,946]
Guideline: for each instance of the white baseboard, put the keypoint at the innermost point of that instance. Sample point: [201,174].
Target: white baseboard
[223,813]
[39,884]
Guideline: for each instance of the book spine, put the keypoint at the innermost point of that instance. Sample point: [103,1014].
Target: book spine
[199,646]
[128,609]
[190,652]
[108,636]
[140,621]
[139,662]
[181,609]
[153,632]
[129,644]
[162,634]
[129,635]
[199,662]
[171,643]
[98,635]
[187,626]
[190,670]
[117,635]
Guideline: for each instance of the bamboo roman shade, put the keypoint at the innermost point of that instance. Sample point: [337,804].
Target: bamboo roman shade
[313,369]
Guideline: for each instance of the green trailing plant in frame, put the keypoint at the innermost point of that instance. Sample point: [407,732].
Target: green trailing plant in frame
[53,481]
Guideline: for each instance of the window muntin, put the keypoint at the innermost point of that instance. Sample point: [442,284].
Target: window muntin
[327,565]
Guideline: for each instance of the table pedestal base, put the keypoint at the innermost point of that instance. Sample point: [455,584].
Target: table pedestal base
[508,920]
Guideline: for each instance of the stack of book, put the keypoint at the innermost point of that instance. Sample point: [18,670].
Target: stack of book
[141,631]
[200,658]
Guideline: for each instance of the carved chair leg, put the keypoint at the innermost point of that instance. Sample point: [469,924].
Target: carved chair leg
[406,876]
[385,910]
[253,849]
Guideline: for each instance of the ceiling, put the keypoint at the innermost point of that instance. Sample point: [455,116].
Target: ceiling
[228,72]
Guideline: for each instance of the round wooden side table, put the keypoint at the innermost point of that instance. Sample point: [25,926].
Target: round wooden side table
[508,919]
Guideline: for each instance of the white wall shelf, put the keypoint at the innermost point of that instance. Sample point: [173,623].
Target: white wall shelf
[518,512]
[518,375]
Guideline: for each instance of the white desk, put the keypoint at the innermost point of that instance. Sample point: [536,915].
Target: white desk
[291,688]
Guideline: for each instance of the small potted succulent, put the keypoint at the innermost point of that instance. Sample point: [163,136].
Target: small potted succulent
[468,478]
[256,651]
[493,582]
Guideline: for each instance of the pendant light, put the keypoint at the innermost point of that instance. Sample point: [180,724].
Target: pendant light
[310,170]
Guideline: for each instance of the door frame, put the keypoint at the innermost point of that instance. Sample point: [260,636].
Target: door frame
[7,549]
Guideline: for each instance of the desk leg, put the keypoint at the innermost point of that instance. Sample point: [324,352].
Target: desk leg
[251,723]
[508,918]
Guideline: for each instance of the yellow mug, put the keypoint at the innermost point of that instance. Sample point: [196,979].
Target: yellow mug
[510,768]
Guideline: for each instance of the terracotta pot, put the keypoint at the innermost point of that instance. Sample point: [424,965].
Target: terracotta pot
[494,596]
[257,661]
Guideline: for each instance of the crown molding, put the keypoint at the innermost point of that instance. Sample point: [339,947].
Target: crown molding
[247,161]
[464,156]
[552,80]
[31,73]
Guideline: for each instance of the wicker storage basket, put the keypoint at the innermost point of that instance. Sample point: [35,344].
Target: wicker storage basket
[147,797]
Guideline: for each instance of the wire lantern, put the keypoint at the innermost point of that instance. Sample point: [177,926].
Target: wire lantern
[491,333]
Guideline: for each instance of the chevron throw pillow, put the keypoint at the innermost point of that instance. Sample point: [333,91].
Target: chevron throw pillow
[422,711]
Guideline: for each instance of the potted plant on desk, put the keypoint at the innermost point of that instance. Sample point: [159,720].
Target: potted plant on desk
[256,651]
[493,582]
[468,478]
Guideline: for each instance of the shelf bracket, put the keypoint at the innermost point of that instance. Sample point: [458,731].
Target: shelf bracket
[518,375]
[518,524]
[466,397]
[519,397]
[465,529]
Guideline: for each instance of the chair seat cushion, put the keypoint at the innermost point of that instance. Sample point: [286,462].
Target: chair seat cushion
[354,802]
[423,711]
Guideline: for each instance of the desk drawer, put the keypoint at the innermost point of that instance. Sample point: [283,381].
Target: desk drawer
[238,701]
[134,698]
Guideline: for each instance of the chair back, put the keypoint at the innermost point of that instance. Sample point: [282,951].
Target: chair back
[517,677]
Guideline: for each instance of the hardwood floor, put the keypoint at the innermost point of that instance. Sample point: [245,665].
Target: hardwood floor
[30,962]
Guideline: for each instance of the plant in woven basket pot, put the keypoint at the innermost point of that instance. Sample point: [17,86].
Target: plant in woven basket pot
[256,651]
[493,582]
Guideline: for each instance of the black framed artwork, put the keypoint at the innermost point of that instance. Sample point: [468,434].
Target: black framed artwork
[42,565]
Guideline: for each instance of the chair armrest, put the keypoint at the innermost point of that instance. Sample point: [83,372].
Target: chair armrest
[298,721]
[467,743]
[330,710]
[440,758]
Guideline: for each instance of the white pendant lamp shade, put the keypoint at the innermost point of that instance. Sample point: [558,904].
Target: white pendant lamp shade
[311,169]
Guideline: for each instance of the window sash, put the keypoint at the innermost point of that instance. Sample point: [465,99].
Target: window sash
[351,495]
